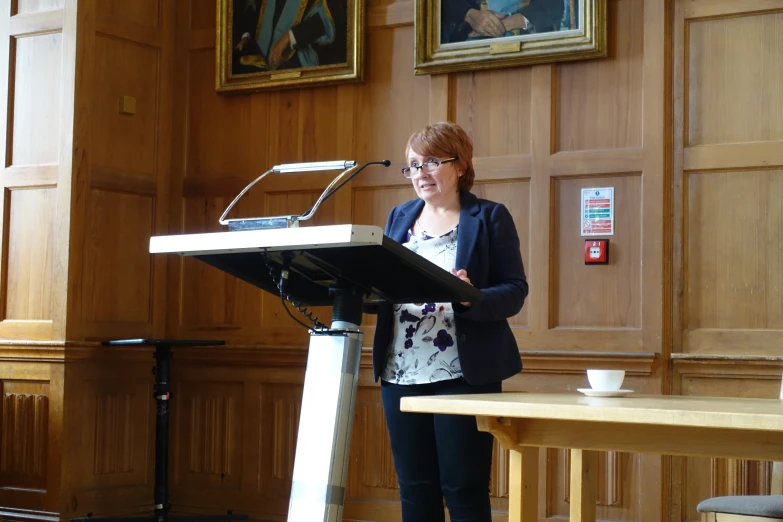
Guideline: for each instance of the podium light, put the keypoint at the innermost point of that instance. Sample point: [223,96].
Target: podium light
[315,166]
[289,221]
[293,220]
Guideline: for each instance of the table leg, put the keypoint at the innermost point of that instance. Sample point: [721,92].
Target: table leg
[584,486]
[523,485]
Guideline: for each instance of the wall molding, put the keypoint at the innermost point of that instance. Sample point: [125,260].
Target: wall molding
[577,362]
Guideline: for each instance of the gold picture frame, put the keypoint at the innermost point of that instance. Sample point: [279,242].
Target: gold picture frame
[460,35]
[280,44]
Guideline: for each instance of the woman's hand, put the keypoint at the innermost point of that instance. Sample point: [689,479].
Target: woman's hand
[462,274]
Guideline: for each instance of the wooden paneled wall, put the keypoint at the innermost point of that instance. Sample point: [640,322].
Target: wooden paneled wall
[727,239]
[684,119]
[541,134]
[84,185]
[121,198]
[37,57]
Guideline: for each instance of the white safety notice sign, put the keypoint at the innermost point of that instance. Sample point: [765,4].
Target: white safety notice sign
[597,211]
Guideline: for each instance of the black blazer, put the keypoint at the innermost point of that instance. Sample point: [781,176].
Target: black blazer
[488,249]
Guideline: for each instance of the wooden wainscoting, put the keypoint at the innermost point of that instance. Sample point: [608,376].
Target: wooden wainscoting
[235,423]
[694,479]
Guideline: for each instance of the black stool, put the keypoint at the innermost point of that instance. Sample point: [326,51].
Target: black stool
[162,394]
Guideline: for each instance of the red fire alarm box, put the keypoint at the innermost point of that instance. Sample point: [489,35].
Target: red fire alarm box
[596,251]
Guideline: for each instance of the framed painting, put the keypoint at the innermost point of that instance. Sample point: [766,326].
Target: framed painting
[274,44]
[459,35]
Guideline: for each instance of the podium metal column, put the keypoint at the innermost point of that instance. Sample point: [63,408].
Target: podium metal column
[326,418]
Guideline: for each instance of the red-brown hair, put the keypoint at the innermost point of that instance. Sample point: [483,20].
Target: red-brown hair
[446,140]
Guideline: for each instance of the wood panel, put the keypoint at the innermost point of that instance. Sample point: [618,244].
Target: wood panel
[30,426]
[497,129]
[118,268]
[734,244]
[373,474]
[36,54]
[209,417]
[109,438]
[202,14]
[37,46]
[598,104]
[372,492]
[30,254]
[116,433]
[727,208]
[125,181]
[726,235]
[282,404]
[25,435]
[126,142]
[240,420]
[722,66]
[595,296]
[36,101]
[142,12]
[35,6]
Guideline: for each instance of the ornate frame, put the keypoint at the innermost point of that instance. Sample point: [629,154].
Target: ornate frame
[352,70]
[587,40]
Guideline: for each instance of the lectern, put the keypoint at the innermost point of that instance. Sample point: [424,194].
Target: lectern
[350,268]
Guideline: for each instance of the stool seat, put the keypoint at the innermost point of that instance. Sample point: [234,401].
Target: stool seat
[163,342]
[770,506]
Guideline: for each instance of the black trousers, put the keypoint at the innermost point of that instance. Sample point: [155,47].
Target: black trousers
[439,456]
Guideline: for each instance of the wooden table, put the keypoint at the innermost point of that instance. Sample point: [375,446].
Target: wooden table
[670,425]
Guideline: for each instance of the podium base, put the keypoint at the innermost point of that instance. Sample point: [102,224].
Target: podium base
[325,425]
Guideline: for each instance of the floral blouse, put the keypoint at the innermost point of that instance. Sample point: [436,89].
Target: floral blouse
[424,344]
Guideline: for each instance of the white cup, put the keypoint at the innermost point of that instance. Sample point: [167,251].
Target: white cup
[606,380]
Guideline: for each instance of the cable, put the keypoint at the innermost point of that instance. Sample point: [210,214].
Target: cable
[285,307]
[318,326]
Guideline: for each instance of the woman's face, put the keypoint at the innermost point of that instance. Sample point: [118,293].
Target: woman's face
[439,184]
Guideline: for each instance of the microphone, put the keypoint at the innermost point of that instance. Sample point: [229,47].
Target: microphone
[385,163]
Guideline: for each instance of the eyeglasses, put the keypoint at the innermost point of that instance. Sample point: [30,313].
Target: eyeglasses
[427,168]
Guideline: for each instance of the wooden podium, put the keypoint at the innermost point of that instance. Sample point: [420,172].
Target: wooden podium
[347,267]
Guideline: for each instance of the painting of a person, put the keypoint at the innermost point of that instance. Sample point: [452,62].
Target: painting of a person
[463,20]
[448,348]
[270,35]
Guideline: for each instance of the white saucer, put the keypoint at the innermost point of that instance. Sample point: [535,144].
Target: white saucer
[604,393]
